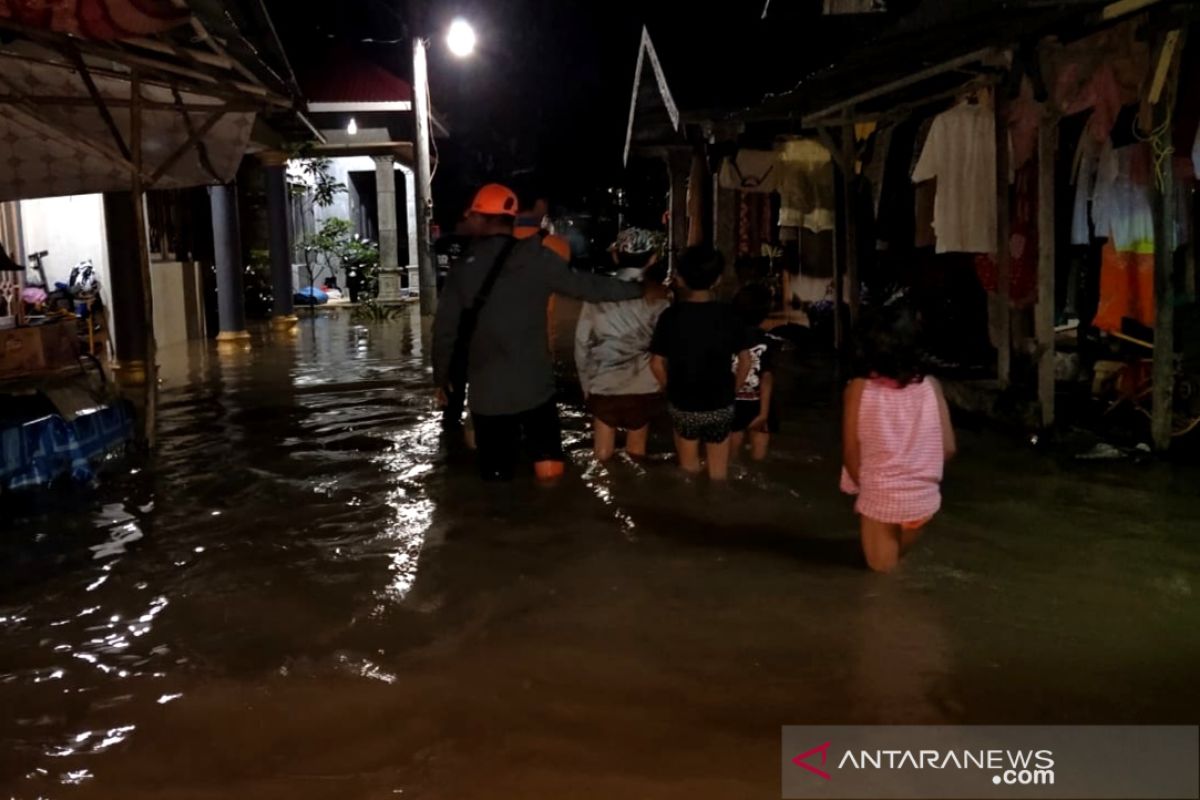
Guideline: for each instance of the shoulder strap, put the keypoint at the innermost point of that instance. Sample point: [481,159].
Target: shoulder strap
[489,281]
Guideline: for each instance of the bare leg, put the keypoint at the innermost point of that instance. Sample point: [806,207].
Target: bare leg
[718,460]
[604,440]
[909,536]
[759,442]
[736,440]
[635,441]
[881,544]
[689,454]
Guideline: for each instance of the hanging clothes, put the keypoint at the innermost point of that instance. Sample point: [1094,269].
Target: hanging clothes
[1023,244]
[806,190]
[961,153]
[751,171]
[1103,71]
[754,223]
[1126,289]
[1024,118]
[1083,176]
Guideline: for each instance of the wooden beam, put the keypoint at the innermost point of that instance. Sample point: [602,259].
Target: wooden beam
[1044,320]
[147,105]
[679,167]
[76,58]
[197,139]
[194,137]
[831,144]
[143,250]
[1003,304]
[985,54]
[166,48]
[1163,372]
[1122,7]
[850,215]
[207,89]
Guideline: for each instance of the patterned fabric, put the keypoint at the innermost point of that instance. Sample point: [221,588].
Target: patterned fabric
[710,427]
[639,241]
[900,437]
[95,19]
[39,451]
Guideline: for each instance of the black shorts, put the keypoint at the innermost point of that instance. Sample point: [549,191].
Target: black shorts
[710,427]
[498,439]
[746,411]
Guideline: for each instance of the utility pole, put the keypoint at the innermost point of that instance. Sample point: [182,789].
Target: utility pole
[427,279]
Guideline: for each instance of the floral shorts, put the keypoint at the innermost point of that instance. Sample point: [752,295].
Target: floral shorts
[710,427]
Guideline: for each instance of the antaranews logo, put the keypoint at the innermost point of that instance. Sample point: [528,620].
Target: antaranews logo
[1007,767]
[991,762]
[802,760]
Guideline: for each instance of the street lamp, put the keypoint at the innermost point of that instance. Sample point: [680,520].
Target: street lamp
[461,41]
[461,38]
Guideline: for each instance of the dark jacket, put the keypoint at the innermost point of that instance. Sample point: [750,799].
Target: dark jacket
[510,368]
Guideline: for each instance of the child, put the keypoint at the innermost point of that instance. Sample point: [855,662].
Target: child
[612,348]
[753,410]
[692,346]
[896,436]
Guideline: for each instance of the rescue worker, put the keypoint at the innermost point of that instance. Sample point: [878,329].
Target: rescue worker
[490,334]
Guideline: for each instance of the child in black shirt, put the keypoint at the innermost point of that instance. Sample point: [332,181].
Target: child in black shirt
[693,343]
[754,411]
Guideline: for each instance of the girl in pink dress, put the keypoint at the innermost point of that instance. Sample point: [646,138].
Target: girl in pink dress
[896,436]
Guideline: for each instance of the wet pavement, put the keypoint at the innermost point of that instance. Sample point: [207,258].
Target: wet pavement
[304,596]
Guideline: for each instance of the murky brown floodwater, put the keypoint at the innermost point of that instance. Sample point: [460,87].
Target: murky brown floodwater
[301,598]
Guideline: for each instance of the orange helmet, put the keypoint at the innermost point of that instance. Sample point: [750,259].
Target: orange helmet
[496,200]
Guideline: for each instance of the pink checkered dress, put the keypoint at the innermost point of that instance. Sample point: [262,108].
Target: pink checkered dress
[900,436]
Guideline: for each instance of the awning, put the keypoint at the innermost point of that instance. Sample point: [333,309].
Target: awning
[56,139]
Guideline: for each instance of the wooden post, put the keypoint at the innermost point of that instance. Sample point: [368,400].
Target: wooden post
[1003,251]
[1164,296]
[725,226]
[1044,322]
[143,253]
[679,167]
[1163,93]
[850,212]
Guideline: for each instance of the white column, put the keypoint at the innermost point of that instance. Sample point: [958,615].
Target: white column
[390,291]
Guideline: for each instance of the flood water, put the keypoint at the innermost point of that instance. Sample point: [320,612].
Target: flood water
[304,596]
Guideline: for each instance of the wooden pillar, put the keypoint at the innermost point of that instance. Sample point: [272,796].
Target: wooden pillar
[1162,94]
[725,222]
[1044,320]
[143,256]
[679,167]
[128,291]
[850,214]
[697,219]
[1164,297]
[1003,305]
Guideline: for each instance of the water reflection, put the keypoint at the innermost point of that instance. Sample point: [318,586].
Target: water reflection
[300,596]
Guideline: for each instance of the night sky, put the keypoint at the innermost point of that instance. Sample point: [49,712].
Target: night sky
[544,102]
